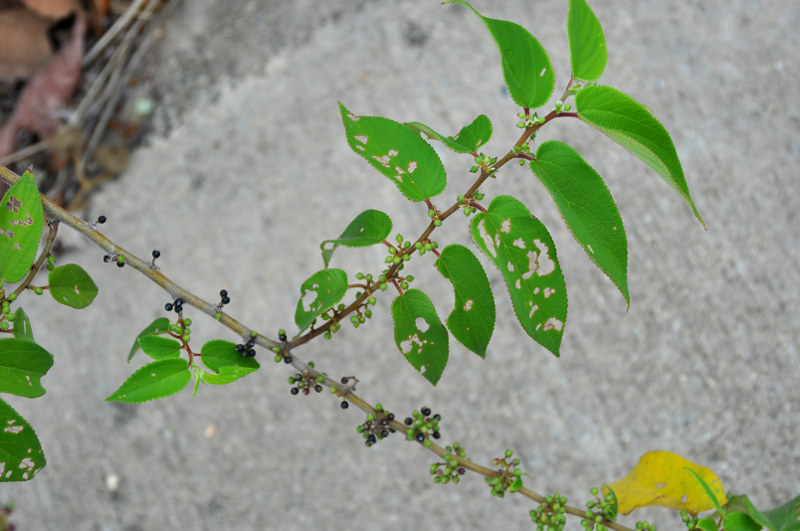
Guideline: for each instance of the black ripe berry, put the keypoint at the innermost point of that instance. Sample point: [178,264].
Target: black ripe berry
[178,302]
[345,404]
[384,434]
[223,293]
[318,388]
[239,348]
[390,416]
[107,258]
[178,308]
[251,353]
[168,306]
[372,439]
[425,411]
[436,435]
[225,300]
[250,343]
[408,421]
[101,219]
[345,379]
[420,437]
[156,253]
[295,390]
[120,264]
[437,417]
[287,359]
[282,337]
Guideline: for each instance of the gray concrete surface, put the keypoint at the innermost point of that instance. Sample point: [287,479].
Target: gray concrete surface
[254,172]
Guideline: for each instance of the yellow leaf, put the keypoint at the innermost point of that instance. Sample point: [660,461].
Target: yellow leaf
[661,478]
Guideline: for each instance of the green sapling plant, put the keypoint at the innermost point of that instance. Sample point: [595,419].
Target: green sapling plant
[503,228]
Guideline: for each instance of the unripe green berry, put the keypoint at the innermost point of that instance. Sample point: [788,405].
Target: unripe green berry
[396,259]
[37,290]
[327,335]
[359,275]
[218,316]
[372,300]
[431,213]
[404,285]
[398,238]
[12,297]
[368,314]
[4,325]
[437,222]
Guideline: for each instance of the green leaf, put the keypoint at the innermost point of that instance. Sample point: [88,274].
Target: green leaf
[21,224]
[153,381]
[218,354]
[159,347]
[22,365]
[419,334]
[468,140]
[587,207]
[368,228]
[72,286]
[587,44]
[322,290]
[472,319]
[783,518]
[22,325]
[735,521]
[527,70]
[397,152]
[21,455]
[523,251]
[631,125]
[159,326]
[707,524]
[227,374]
[516,485]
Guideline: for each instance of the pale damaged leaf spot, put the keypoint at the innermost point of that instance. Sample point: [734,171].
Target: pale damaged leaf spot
[543,72]
[539,263]
[421,324]
[519,242]
[28,221]
[488,240]
[11,428]
[362,138]
[468,305]
[412,166]
[553,324]
[13,204]
[505,226]
[407,346]
[353,117]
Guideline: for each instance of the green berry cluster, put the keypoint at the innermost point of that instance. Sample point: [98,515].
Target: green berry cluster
[450,471]
[423,426]
[484,164]
[424,247]
[51,262]
[600,510]
[306,381]
[690,521]
[550,515]
[7,316]
[180,329]
[509,476]
[376,426]
[528,120]
[466,203]
[645,526]
[562,107]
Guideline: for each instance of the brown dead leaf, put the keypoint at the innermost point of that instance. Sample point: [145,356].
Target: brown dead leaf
[24,44]
[44,99]
[52,9]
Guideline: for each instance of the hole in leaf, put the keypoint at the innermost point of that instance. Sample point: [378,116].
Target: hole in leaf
[421,324]
[13,204]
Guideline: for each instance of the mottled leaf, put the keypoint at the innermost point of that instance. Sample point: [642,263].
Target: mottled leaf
[22,365]
[397,152]
[21,455]
[153,381]
[368,228]
[634,127]
[21,224]
[665,479]
[527,70]
[523,251]
[420,335]
[322,290]
[587,44]
[587,208]
[472,320]
[468,140]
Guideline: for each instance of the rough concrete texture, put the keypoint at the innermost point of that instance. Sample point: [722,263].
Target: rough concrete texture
[255,171]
